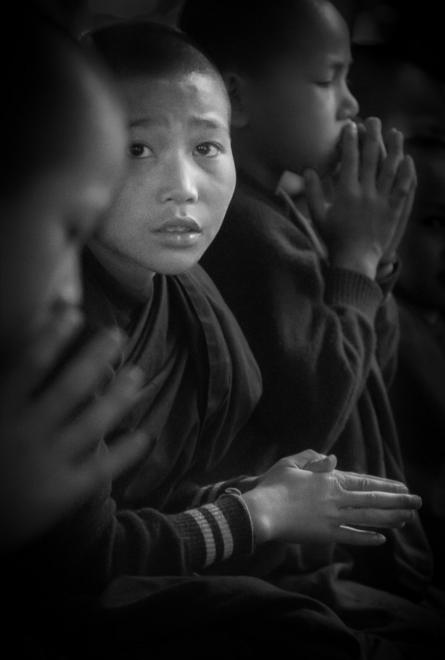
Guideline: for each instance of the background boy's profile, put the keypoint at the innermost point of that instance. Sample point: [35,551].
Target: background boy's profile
[314,298]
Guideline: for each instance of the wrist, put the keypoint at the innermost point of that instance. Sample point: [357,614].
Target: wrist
[261,522]
[365,264]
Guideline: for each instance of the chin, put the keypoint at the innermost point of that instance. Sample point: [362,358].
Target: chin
[177,266]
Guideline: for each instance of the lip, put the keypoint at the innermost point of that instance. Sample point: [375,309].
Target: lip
[179,232]
[179,225]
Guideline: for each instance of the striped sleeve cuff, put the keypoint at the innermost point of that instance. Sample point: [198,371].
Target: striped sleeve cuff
[215,532]
[346,287]
[211,492]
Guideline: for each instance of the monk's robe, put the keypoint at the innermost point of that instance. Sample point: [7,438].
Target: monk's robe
[418,399]
[102,587]
[201,380]
[325,339]
[148,562]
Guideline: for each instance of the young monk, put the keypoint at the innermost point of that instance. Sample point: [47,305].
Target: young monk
[202,384]
[313,297]
[55,188]
[63,148]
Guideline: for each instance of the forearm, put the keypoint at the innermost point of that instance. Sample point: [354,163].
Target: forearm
[316,359]
[99,544]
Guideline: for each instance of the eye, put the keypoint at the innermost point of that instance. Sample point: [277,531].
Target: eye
[139,150]
[209,149]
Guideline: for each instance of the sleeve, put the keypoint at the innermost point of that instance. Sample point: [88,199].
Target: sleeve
[311,329]
[99,543]
[387,327]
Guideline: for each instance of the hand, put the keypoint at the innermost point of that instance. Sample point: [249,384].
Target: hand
[361,222]
[299,506]
[51,454]
[390,255]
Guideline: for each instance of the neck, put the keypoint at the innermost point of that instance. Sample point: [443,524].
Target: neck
[249,159]
[134,279]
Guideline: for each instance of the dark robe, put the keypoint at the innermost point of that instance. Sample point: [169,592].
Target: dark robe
[418,399]
[202,382]
[104,574]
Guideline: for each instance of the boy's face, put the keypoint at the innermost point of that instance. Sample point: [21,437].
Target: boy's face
[45,224]
[179,181]
[423,248]
[299,107]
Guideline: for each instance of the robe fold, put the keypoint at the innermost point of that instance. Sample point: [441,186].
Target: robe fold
[202,382]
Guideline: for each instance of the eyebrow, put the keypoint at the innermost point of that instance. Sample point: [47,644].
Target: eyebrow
[145,121]
[195,121]
[208,122]
[337,64]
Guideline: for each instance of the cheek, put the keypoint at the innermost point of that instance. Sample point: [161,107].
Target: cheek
[218,193]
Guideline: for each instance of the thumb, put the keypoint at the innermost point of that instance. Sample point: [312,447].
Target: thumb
[315,196]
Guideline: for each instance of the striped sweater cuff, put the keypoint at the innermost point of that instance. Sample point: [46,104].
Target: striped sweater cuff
[346,287]
[215,532]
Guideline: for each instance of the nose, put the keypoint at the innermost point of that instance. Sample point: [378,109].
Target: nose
[349,107]
[179,183]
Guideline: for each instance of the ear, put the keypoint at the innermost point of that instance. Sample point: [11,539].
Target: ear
[237,88]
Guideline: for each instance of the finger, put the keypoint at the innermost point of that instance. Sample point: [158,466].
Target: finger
[40,357]
[125,452]
[315,197]
[326,464]
[303,457]
[351,536]
[404,184]
[391,252]
[403,221]
[387,518]
[391,163]
[382,500]
[102,415]
[349,165]
[371,152]
[354,481]
[77,381]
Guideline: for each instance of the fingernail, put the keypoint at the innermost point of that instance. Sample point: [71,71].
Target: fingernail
[353,128]
[378,539]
